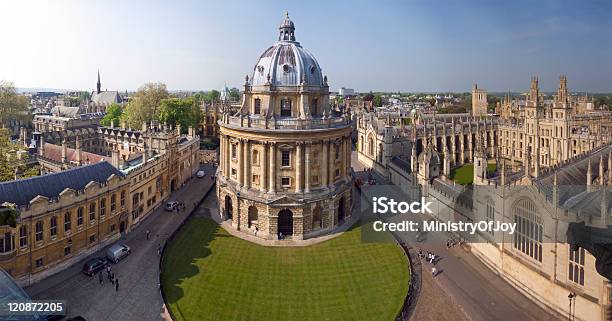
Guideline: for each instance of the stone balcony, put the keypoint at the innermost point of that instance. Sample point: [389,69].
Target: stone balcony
[285,123]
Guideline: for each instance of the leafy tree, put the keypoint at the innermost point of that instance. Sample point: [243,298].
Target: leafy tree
[377,101]
[212,96]
[143,106]
[113,114]
[199,97]
[368,97]
[9,163]
[84,96]
[183,111]
[234,94]
[12,105]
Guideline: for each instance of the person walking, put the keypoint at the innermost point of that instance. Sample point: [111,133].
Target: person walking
[100,277]
[117,285]
[148,232]
[434,271]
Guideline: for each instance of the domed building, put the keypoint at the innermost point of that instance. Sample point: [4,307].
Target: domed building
[284,164]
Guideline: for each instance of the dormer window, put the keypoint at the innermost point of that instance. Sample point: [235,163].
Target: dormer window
[285,110]
[257,106]
[260,69]
[313,69]
[286,68]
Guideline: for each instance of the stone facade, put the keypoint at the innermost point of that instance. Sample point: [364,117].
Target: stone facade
[284,156]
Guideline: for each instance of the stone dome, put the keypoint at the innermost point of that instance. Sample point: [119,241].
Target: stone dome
[286,63]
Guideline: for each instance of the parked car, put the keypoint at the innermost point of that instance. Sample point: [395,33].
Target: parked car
[117,252]
[54,317]
[171,205]
[94,265]
[200,174]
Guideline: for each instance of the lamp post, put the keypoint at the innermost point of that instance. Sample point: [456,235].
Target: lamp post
[571,297]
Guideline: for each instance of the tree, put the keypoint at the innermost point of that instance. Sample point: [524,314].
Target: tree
[377,101]
[184,111]
[234,94]
[113,115]
[84,96]
[12,105]
[212,96]
[10,163]
[143,106]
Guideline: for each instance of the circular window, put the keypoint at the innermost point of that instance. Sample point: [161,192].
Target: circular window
[286,68]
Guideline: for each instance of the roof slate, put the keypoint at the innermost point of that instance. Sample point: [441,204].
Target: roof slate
[21,192]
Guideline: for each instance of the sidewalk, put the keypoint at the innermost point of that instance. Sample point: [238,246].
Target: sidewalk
[138,297]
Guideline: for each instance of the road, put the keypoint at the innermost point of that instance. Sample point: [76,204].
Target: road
[138,297]
[464,284]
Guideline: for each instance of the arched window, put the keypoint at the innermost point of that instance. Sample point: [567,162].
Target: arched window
[285,110]
[370,146]
[529,231]
[257,106]
[67,222]
[23,236]
[53,230]
[317,223]
[256,157]
[313,107]
[39,231]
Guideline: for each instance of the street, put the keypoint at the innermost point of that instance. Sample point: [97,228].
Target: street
[138,297]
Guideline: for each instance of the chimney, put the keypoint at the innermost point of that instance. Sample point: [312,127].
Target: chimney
[64,151]
[191,132]
[41,146]
[115,158]
[144,126]
[178,129]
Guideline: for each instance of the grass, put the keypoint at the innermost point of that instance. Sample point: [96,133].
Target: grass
[208,274]
[464,175]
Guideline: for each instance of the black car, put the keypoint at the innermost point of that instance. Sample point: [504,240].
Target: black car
[94,265]
[55,317]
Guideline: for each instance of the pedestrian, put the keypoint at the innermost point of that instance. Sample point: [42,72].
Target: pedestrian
[148,232]
[117,285]
[434,271]
[108,269]
[100,277]
[420,253]
[112,277]
[256,230]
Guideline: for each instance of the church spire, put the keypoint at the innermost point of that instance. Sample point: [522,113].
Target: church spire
[98,84]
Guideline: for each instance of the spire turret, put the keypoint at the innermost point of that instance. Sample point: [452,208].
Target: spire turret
[98,84]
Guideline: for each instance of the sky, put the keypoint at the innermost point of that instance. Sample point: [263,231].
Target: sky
[407,46]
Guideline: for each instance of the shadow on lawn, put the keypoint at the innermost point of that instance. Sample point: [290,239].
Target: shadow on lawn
[179,261]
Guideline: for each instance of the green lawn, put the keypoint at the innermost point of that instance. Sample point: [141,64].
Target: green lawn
[211,275]
[464,175]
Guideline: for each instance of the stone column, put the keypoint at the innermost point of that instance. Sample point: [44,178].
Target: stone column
[307,168]
[240,157]
[298,167]
[228,157]
[222,154]
[247,164]
[272,171]
[324,163]
[263,166]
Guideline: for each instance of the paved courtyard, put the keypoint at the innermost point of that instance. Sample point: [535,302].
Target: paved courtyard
[138,297]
